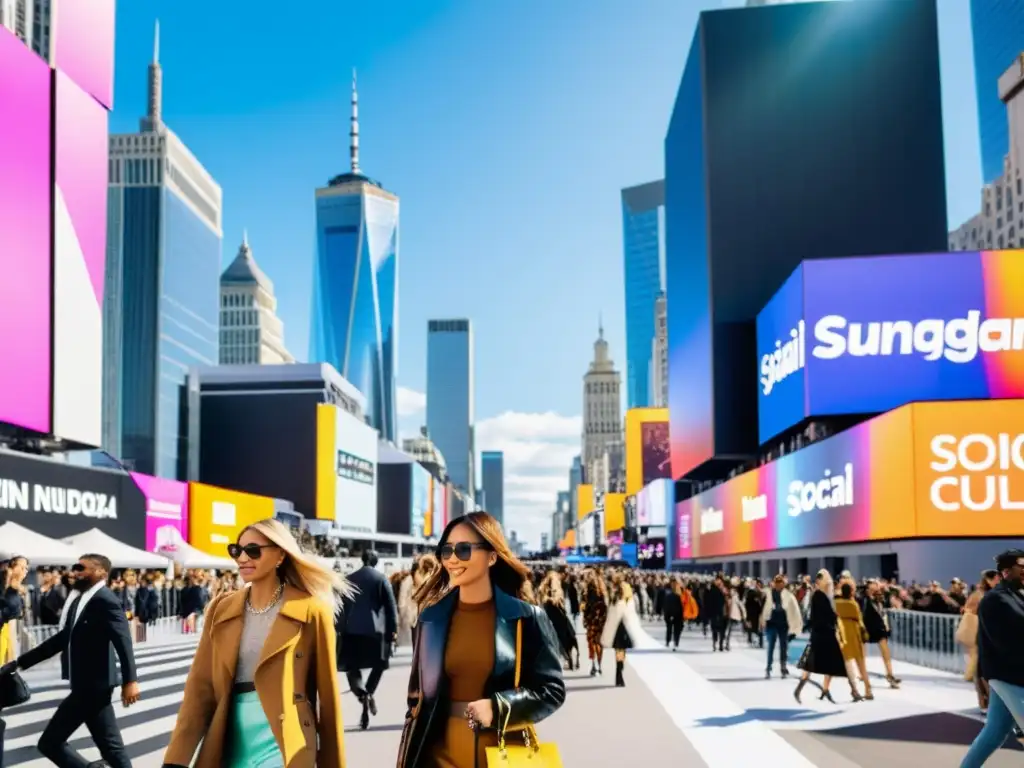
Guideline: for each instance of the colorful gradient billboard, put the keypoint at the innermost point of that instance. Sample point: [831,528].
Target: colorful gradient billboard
[25,205]
[928,469]
[87,57]
[166,511]
[80,252]
[866,335]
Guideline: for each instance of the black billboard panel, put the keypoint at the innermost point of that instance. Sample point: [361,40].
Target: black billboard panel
[58,500]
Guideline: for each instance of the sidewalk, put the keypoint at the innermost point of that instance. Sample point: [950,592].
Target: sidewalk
[930,720]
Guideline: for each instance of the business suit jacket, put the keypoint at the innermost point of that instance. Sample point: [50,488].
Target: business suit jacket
[99,637]
[368,623]
[295,672]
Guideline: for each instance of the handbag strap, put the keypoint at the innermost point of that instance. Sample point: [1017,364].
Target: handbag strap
[519,653]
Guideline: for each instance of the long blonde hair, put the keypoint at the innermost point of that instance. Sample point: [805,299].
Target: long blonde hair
[300,570]
[550,590]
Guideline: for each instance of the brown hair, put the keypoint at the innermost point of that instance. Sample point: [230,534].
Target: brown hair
[507,574]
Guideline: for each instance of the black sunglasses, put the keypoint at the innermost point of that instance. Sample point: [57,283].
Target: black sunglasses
[77,567]
[463,550]
[252,551]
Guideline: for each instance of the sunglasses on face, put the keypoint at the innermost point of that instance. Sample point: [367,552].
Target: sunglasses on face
[77,568]
[252,551]
[463,550]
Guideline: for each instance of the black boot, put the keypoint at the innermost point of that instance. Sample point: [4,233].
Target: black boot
[799,688]
[620,682]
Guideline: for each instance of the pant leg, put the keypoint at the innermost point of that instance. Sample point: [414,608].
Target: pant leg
[3,727]
[106,735]
[355,682]
[677,632]
[783,649]
[373,680]
[998,725]
[668,630]
[772,635]
[53,742]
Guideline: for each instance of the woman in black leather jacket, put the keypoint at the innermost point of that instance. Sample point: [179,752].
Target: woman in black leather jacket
[462,683]
[12,606]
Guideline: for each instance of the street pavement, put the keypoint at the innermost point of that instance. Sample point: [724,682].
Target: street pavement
[693,707]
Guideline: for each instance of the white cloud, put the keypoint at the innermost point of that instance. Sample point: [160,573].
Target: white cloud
[539,449]
[411,402]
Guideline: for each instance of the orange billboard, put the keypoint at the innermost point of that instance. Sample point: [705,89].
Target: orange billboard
[969,468]
[584,500]
[614,512]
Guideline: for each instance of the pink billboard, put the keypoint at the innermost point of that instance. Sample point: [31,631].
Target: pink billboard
[25,205]
[79,256]
[166,511]
[83,45]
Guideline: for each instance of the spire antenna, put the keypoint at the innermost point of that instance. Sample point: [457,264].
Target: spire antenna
[245,238]
[353,134]
[153,113]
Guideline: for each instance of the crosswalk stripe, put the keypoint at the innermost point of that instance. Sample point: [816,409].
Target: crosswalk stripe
[145,727]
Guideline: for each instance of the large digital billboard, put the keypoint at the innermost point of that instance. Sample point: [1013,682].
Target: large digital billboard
[217,515]
[614,512]
[647,447]
[421,499]
[25,206]
[865,335]
[654,503]
[924,470]
[80,248]
[346,488]
[166,510]
[87,57]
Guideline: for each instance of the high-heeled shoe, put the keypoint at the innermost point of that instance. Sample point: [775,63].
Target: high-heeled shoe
[893,681]
[869,696]
[826,695]
[856,696]
[799,688]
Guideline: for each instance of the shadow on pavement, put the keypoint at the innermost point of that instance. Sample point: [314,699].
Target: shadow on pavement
[931,728]
[766,715]
[375,728]
[583,688]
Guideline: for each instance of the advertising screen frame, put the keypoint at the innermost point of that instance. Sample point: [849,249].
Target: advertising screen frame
[217,515]
[636,469]
[166,507]
[420,493]
[347,456]
[655,502]
[26,200]
[919,347]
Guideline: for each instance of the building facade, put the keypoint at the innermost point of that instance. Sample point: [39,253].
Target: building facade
[423,450]
[354,325]
[998,30]
[643,239]
[659,354]
[1000,223]
[492,483]
[30,21]
[451,398]
[161,301]
[250,330]
[750,142]
[602,405]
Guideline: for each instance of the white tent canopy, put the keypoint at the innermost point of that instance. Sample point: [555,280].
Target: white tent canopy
[120,554]
[40,550]
[187,556]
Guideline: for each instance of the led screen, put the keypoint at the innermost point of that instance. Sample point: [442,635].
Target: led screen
[945,326]
[654,503]
[80,245]
[166,511]
[929,469]
[25,204]
[87,58]
[216,516]
[421,500]
[346,470]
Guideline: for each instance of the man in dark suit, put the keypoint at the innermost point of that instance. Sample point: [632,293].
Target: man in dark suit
[94,629]
[368,627]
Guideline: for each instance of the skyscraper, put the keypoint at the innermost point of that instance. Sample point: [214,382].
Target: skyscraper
[451,416]
[998,30]
[161,299]
[492,471]
[250,330]
[643,239]
[659,354]
[354,323]
[602,406]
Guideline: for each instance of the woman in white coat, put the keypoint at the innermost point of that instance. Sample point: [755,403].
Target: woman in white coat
[781,619]
[622,628]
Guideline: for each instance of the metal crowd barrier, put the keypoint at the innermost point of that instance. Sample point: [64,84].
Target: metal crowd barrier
[927,639]
[160,632]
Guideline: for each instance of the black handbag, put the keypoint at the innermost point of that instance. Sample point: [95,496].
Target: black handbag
[13,690]
[806,659]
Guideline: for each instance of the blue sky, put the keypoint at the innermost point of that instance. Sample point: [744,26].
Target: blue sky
[507,129]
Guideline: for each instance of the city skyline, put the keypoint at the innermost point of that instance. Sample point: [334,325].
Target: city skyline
[276,125]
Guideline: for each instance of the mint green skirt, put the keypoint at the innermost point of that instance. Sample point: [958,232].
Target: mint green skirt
[252,741]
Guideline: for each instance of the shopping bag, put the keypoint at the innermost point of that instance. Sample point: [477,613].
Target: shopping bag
[531,752]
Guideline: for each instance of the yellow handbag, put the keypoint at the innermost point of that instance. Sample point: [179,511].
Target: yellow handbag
[531,753]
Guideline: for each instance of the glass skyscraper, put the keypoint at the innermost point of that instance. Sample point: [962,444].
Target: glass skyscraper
[492,480]
[998,30]
[643,218]
[162,291]
[355,286]
[450,398]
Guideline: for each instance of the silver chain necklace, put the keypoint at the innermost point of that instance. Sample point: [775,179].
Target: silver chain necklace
[271,604]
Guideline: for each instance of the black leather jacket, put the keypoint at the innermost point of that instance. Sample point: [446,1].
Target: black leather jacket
[541,689]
